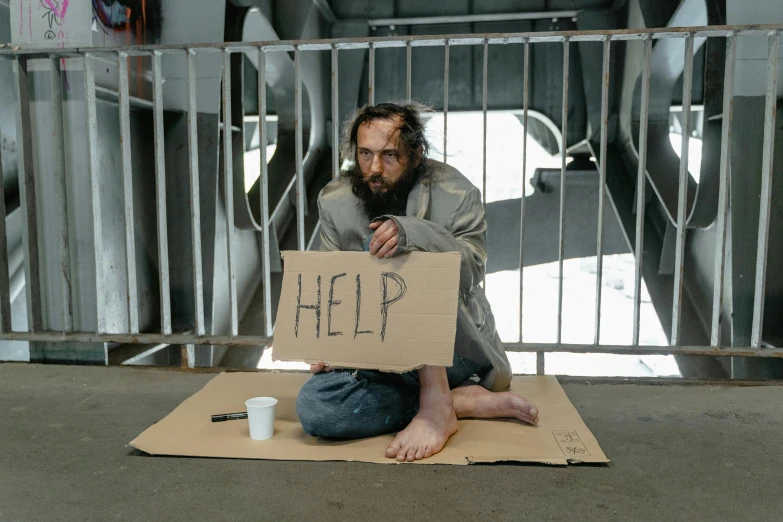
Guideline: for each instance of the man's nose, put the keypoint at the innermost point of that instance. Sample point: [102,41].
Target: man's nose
[377,164]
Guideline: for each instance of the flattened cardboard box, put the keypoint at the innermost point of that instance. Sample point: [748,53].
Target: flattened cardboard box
[561,436]
[353,310]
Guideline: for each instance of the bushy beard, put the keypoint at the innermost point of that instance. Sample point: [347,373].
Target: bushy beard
[392,201]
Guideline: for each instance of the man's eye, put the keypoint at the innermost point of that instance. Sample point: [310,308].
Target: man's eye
[390,155]
[366,153]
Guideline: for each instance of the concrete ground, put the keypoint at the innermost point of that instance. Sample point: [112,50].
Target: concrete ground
[701,452]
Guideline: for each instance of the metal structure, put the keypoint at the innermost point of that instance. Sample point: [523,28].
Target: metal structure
[261,51]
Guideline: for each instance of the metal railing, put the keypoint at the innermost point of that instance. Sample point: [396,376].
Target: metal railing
[27,179]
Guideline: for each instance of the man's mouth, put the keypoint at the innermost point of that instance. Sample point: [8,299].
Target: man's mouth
[376,183]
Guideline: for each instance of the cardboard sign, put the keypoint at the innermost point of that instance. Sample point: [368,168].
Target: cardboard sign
[353,310]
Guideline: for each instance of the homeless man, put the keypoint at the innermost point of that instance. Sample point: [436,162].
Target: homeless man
[393,200]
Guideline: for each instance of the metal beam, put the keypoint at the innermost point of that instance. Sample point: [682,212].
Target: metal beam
[471,19]
[326,10]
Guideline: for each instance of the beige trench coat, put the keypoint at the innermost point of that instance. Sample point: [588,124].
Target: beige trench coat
[445,215]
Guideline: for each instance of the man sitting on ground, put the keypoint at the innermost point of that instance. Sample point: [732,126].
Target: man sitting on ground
[393,200]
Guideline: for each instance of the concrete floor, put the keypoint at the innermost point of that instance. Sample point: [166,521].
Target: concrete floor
[703,452]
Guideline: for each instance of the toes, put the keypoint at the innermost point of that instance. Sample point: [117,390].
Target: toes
[420,452]
[527,419]
[411,455]
[401,456]
[533,414]
[428,452]
[394,448]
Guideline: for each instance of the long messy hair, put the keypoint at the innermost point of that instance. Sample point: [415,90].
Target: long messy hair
[413,141]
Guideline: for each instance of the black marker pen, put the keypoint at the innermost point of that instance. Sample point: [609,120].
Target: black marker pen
[229,416]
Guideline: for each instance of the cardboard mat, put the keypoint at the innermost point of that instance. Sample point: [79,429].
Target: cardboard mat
[561,436]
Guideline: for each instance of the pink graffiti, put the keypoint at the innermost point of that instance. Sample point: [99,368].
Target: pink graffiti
[58,10]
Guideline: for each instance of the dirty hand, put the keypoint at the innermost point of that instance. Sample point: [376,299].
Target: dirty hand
[385,240]
[320,367]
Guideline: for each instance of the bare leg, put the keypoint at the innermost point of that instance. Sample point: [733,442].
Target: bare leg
[432,426]
[478,402]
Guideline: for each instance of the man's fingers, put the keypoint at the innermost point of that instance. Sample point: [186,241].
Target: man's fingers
[384,226]
[381,230]
[320,367]
[375,225]
[382,240]
[386,248]
[391,252]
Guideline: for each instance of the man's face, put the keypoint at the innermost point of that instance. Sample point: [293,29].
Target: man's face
[378,154]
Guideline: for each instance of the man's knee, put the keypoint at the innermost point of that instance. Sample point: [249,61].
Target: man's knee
[309,407]
[319,409]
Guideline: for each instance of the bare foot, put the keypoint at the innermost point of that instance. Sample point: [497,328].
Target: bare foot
[479,403]
[428,431]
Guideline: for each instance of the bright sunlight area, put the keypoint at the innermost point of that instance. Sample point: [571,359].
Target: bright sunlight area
[539,319]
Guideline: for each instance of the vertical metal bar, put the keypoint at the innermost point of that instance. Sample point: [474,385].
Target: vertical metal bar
[602,188]
[540,363]
[190,355]
[195,203]
[335,115]
[682,194]
[95,188]
[723,191]
[300,181]
[228,189]
[484,76]
[561,246]
[371,77]
[264,191]
[526,103]
[160,193]
[61,191]
[766,189]
[27,193]
[641,182]
[484,113]
[5,294]
[409,71]
[127,192]
[540,356]
[445,99]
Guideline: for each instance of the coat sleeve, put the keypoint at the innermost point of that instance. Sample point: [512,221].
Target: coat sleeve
[330,240]
[466,233]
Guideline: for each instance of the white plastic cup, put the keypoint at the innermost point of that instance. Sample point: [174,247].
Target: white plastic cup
[261,417]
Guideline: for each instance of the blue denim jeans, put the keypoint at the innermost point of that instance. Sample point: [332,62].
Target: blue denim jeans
[351,404]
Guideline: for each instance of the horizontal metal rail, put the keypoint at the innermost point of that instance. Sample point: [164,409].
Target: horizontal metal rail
[615,35]
[243,340]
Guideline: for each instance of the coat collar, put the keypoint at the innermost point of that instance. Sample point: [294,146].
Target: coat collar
[418,200]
